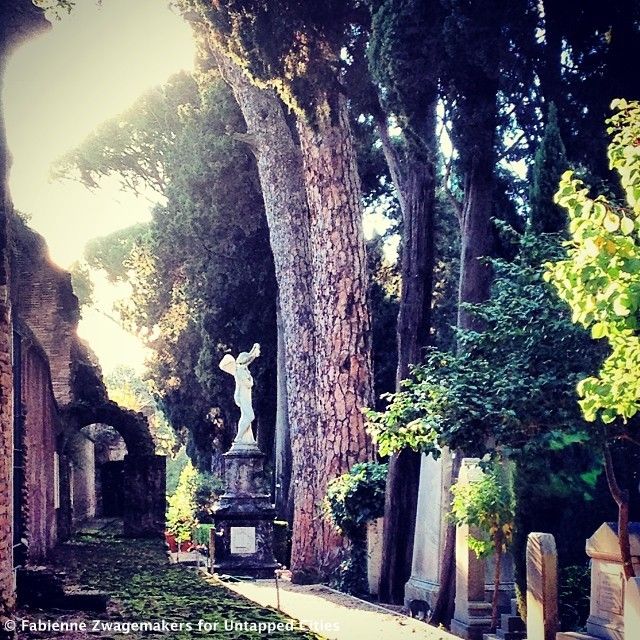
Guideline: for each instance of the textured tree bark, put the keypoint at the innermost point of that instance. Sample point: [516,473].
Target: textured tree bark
[621,498]
[415,184]
[476,236]
[339,293]
[312,200]
[283,437]
[281,177]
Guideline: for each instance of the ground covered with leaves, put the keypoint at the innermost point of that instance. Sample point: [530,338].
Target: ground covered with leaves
[174,601]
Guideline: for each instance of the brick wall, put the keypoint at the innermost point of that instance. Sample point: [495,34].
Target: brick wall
[44,300]
[41,429]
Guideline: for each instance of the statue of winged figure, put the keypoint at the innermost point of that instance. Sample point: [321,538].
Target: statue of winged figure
[239,369]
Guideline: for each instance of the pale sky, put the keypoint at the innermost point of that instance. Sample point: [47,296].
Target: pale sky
[89,67]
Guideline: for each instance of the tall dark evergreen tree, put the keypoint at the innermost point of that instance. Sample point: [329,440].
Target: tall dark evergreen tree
[549,164]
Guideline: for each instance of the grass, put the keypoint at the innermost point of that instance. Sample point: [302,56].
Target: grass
[145,588]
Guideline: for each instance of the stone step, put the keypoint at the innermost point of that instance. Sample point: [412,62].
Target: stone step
[84,600]
[511,623]
[479,609]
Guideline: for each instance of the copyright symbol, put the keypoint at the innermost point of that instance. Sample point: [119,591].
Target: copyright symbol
[10,625]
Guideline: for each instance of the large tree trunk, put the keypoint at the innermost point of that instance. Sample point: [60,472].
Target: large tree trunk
[343,327]
[315,225]
[280,170]
[415,184]
[476,236]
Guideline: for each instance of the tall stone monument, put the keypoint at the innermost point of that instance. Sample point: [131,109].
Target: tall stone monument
[242,539]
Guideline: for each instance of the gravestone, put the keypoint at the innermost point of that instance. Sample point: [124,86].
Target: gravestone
[542,587]
[607,601]
[632,608]
[431,525]
[242,539]
[472,615]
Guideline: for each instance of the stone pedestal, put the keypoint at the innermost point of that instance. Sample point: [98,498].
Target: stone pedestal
[242,540]
[472,615]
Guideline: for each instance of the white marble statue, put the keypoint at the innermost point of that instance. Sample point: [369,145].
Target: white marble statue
[239,369]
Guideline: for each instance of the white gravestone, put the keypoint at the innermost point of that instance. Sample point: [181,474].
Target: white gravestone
[542,587]
[607,601]
[431,525]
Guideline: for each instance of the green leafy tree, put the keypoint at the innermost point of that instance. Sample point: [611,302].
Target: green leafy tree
[512,389]
[488,505]
[181,511]
[194,296]
[600,281]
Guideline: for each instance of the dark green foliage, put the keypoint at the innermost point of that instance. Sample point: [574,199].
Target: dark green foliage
[201,270]
[549,164]
[574,588]
[352,500]
[404,57]
[383,298]
[356,497]
[513,388]
[291,45]
[561,490]
[512,384]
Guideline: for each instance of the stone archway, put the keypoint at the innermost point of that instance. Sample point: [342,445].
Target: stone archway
[144,497]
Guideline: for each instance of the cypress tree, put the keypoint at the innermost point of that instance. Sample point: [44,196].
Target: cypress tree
[550,163]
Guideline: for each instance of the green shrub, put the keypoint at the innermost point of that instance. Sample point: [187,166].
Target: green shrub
[356,497]
[202,534]
[181,514]
[352,500]
[574,588]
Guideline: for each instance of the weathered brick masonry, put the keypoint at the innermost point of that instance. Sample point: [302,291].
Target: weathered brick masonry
[41,429]
[19,19]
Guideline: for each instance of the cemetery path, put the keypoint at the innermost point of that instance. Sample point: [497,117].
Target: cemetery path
[174,601]
[336,615]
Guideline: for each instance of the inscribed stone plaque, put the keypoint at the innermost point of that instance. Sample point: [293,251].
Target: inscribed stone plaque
[610,591]
[243,539]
